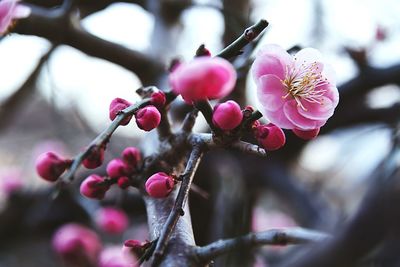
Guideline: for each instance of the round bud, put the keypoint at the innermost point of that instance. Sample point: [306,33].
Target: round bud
[270,136]
[134,248]
[95,158]
[306,135]
[112,220]
[158,99]
[159,185]
[76,244]
[148,118]
[227,116]
[116,106]
[116,168]
[123,182]
[94,187]
[50,166]
[131,156]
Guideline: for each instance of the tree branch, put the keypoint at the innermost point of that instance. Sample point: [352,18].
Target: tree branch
[249,35]
[178,209]
[249,148]
[103,138]
[56,27]
[269,237]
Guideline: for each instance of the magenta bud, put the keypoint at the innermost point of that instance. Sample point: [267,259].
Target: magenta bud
[270,136]
[76,244]
[116,168]
[94,187]
[227,116]
[95,158]
[116,106]
[306,135]
[159,185]
[50,166]
[148,118]
[158,99]
[112,220]
[123,182]
[135,247]
[131,156]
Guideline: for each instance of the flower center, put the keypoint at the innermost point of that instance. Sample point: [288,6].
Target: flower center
[302,81]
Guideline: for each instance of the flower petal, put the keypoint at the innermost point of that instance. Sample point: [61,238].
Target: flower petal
[290,110]
[276,51]
[317,111]
[278,118]
[270,92]
[268,64]
[307,56]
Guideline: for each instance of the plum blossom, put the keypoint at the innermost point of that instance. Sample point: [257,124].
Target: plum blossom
[10,10]
[203,78]
[112,220]
[295,92]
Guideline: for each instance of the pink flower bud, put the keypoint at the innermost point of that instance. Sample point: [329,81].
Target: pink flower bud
[95,158]
[131,156]
[50,166]
[227,116]
[114,257]
[158,99]
[123,182]
[159,185]
[116,106]
[148,118]
[112,220]
[202,78]
[135,247]
[270,136]
[306,135]
[94,187]
[76,244]
[116,168]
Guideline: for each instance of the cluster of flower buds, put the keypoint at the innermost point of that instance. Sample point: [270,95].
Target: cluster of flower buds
[118,170]
[147,118]
[159,185]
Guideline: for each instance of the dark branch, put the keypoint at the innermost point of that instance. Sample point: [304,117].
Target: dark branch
[270,237]
[178,209]
[249,35]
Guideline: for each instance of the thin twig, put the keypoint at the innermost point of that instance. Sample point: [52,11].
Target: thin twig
[177,210]
[249,35]
[164,128]
[249,148]
[103,138]
[189,121]
[269,237]
[205,108]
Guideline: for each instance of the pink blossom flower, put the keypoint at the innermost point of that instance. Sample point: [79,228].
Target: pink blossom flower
[202,78]
[93,187]
[10,10]
[148,118]
[297,92]
[159,185]
[114,257]
[227,116]
[112,220]
[76,244]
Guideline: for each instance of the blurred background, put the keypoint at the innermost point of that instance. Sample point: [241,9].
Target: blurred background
[55,97]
